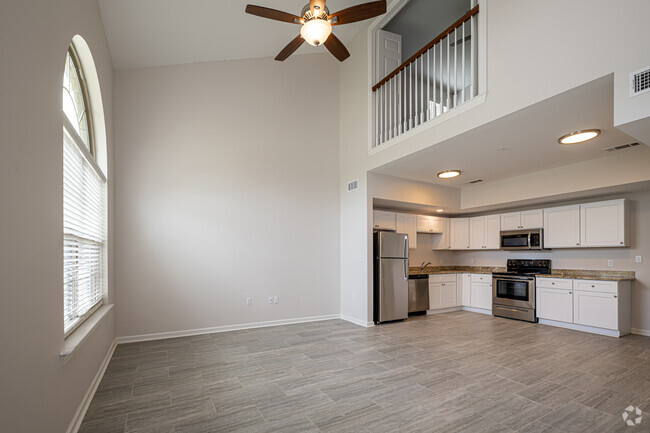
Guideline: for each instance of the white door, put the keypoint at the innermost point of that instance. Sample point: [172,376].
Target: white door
[389,53]
[602,224]
[406,223]
[448,295]
[435,296]
[442,241]
[481,295]
[477,233]
[595,309]
[510,221]
[423,223]
[383,220]
[466,289]
[492,232]
[532,219]
[562,227]
[459,234]
[555,304]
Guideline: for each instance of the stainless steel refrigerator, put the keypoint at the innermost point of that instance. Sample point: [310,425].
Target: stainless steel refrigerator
[391,272]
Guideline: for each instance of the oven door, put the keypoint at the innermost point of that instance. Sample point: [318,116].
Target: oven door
[514,291]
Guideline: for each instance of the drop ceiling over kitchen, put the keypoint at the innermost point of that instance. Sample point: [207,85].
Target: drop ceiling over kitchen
[523,142]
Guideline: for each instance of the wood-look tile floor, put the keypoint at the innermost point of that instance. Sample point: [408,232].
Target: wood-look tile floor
[455,372]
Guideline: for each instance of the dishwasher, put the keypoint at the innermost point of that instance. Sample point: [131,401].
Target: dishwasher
[418,293]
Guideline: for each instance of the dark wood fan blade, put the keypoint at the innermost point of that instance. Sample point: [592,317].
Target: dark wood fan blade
[272,14]
[336,47]
[359,12]
[290,48]
[319,3]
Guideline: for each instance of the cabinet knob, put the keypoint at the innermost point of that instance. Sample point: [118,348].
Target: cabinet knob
[621,243]
[614,296]
[553,283]
[593,285]
[376,225]
[570,293]
[577,243]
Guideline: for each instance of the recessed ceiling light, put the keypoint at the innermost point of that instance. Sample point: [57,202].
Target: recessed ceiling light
[579,136]
[440,210]
[448,174]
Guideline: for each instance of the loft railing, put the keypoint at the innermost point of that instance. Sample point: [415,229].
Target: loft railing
[436,79]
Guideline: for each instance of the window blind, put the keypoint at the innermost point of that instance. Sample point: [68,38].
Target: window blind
[83,235]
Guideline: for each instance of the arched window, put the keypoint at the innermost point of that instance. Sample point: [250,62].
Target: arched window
[84,201]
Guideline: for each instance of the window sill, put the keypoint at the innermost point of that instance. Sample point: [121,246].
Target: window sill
[79,335]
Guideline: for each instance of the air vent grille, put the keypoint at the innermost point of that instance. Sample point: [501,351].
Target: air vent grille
[621,147]
[640,82]
[354,185]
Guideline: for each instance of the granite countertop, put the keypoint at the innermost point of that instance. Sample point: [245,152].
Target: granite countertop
[577,274]
[456,270]
[582,274]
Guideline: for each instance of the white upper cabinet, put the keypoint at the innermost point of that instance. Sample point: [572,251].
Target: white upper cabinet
[530,219]
[406,223]
[429,224]
[459,234]
[384,220]
[562,227]
[598,224]
[484,232]
[602,224]
[442,241]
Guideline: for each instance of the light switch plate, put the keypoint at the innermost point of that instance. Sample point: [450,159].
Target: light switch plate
[639,259]
[610,262]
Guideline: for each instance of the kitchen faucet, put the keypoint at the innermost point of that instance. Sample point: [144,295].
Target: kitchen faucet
[424,265]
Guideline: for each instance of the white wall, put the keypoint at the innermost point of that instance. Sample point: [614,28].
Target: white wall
[226,188]
[39,393]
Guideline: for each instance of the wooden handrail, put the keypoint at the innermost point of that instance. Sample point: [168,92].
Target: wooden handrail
[428,46]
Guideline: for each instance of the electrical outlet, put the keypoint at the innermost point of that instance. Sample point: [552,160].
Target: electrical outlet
[639,259]
[276,299]
[610,262]
[270,299]
[249,301]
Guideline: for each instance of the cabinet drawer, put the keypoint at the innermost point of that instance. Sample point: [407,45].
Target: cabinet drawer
[554,283]
[481,278]
[596,286]
[442,278]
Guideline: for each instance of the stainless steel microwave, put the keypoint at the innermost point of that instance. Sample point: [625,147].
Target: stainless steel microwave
[532,239]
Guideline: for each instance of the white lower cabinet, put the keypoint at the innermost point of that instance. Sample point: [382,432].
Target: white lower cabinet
[555,304]
[595,304]
[442,291]
[481,291]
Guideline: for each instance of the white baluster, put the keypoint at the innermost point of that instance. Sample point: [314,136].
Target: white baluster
[448,71]
[473,57]
[456,66]
[462,91]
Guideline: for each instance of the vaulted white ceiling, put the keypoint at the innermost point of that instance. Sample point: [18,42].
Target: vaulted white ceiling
[143,33]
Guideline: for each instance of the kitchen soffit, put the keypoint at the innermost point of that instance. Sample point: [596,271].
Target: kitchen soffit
[144,33]
[522,142]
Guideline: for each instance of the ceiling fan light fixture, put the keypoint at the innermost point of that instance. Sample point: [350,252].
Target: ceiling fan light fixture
[579,136]
[316,31]
[448,174]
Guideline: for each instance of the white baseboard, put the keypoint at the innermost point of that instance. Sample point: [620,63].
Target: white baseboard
[357,321]
[443,310]
[226,328]
[638,331]
[576,327]
[78,417]
[478,310]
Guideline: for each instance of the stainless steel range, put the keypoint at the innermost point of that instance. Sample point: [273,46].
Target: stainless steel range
[513,292]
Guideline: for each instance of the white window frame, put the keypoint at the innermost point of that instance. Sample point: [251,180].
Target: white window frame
[70,134]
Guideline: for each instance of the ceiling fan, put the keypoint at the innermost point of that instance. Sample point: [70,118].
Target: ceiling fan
[317,23]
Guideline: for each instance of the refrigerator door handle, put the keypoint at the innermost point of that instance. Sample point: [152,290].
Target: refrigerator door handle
[406,257]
